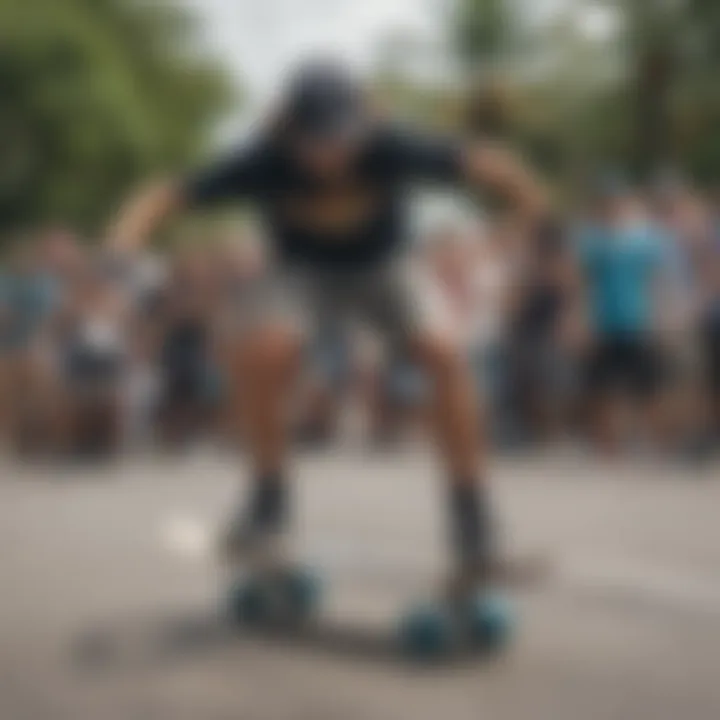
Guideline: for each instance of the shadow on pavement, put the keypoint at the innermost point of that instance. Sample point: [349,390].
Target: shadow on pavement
[150,645]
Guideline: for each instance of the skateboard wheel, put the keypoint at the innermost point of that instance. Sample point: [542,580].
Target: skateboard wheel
[302,590]
[287,597]
[426,633]
[249,602]
[490,621]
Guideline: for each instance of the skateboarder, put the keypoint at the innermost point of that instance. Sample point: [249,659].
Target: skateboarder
[330,178]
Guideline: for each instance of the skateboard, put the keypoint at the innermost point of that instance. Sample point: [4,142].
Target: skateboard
[288,601]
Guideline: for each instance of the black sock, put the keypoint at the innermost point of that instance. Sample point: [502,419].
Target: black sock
[472,524]
[268,502]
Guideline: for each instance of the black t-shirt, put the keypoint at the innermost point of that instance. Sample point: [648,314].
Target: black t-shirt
[373,191]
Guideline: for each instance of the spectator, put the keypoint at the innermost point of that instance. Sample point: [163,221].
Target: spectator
[93,351]
[27,300]
[621,254]
[681,218]
[472,270]
[542,349]
[95,361]
[186,362]
[710,324]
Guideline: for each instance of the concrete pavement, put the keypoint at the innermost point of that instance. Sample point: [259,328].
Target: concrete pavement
[109,595]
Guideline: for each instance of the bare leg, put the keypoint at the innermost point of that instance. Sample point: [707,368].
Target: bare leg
[265,367]
[456,422]
[454,411]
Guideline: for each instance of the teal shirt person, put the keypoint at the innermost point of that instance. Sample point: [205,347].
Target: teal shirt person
[621,265]
[25,302]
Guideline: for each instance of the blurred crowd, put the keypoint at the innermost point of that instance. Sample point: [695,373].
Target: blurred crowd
[604,331]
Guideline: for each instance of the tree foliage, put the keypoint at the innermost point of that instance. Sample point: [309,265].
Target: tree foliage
[644,94]
[95,94]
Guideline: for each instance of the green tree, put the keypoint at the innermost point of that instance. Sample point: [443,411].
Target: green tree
[672,52]
[498,44]
[484,32]
[642,93]
[95,94]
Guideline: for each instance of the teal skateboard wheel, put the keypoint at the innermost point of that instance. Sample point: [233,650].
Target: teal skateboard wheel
[249,602]
[426,632]
[484,623]
[301,590]
[286,597]
[491,621]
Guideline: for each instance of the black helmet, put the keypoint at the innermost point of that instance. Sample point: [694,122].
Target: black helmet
[324,100]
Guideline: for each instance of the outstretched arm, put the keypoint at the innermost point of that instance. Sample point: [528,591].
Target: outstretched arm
[494,167]
[143,214]
[481,164]
[234,176]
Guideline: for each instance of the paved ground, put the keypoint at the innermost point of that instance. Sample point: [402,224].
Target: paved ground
[107,596]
